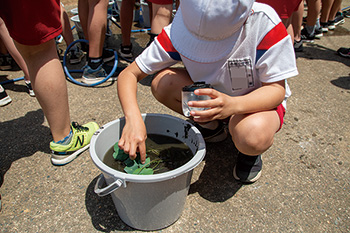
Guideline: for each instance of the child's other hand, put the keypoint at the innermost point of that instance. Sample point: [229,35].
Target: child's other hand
[219,106]
[133,139]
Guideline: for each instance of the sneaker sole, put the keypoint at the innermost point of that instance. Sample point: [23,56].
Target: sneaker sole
[5,101]
[124,55]
[318,36]
[339,22]
[96,80]
[108,59]
[74,62]
[245,181]
[309,41]
[60,160]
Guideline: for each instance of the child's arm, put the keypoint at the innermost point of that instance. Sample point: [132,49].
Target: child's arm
[267,97]
[134,133]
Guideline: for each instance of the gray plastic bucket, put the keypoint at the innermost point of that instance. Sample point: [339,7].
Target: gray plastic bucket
[147,202]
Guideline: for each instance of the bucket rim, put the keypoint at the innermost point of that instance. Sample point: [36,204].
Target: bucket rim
[190,165]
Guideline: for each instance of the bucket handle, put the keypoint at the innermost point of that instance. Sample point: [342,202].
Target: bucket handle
[106,190]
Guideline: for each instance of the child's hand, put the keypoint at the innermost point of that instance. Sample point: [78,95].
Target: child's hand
[133,139]
[219,106]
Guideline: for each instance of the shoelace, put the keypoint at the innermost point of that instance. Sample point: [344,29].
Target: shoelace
[78,127]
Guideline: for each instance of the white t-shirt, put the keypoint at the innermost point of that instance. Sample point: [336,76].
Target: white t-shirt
[263,52]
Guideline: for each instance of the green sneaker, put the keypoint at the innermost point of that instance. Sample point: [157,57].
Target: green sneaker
[63,154]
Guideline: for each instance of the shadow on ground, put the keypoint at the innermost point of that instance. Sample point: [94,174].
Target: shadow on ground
[342,82]
[104,216]
[14,147]
[216,182]
[319,52]
[10,85]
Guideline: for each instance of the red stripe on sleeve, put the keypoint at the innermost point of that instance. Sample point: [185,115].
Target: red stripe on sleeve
[165,42]
[273,37]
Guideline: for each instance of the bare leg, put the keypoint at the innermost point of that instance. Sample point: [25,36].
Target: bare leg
[161,17]
[126,19]
[66,28]
[336,7]
[288,24]
[313,12]
[50,86]
[167,86]
[326,8]
[93,18]
[11,48]
[253,133]
[3,49]
[297,19]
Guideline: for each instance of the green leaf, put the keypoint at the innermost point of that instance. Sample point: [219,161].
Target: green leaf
[119,154]
[146,164]
[116,147]
[143,171]
[129,163]
[131,169]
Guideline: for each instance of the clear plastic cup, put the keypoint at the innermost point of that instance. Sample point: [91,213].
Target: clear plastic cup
[188,95]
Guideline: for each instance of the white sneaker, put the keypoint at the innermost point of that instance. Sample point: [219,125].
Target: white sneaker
[4,98]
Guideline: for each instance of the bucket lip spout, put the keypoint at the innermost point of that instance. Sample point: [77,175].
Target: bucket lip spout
[195,161]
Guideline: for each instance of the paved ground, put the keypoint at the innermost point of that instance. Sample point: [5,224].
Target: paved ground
[304,187]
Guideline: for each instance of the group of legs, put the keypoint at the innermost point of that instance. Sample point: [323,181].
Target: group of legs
[41,64]
[321,16]
[46,74]
[93,15]
[8,52]
[160,16]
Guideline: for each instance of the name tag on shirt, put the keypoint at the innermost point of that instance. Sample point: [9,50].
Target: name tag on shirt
[241,73]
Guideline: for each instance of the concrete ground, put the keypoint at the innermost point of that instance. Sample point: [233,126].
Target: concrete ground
[304,187]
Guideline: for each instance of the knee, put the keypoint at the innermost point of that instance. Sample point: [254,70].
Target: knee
[162,84]
[252,139]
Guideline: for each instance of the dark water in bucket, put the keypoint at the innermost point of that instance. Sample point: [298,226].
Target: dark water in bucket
[166,153]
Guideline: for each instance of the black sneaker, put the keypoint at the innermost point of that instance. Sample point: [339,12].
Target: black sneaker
[107,55]
[75,56]
[212,135]
[29,87]
[344,52]
[125,51]
[318,32]
[331,24]
[5,62]
[298,46]
[306,37]
[324,26]
[4,98]
[248,168]
[339,19]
